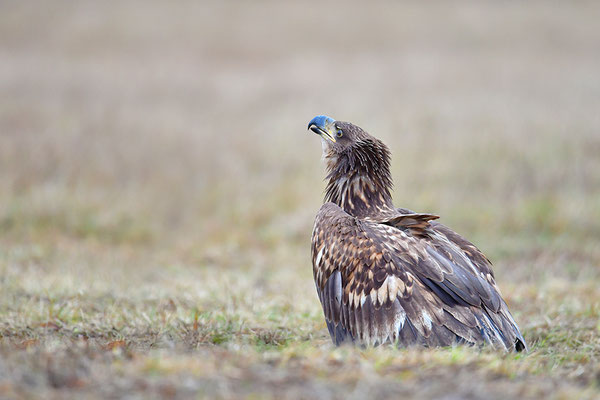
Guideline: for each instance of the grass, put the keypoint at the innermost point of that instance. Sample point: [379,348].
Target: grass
[158,190]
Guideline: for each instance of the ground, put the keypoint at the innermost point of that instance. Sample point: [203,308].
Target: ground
[158,188]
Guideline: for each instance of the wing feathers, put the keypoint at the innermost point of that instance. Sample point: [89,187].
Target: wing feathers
[412,220]
[406,281]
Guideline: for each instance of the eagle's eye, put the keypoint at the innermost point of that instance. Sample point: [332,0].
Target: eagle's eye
[340,133]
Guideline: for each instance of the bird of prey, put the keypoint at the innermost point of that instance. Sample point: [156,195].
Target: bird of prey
[391,275]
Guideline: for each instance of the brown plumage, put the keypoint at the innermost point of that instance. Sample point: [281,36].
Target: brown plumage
[389,275]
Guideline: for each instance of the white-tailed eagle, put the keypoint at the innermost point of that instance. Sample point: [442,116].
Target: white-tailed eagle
[390,275]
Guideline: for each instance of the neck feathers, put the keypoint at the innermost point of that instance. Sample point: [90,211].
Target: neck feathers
[359,179]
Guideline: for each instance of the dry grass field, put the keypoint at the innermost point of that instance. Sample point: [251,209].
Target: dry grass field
[158,188]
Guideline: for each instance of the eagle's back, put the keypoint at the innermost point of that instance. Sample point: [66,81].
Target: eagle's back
[402,278]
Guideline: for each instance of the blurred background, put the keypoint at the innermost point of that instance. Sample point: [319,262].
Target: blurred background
[160,150]
[193,115]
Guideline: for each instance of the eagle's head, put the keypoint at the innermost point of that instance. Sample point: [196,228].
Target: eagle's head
[346,145]
[337,136]
[357,163]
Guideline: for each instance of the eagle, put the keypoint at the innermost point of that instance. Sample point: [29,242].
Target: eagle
[390,275]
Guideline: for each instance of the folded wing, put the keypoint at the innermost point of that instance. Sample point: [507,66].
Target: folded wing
[406,280]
